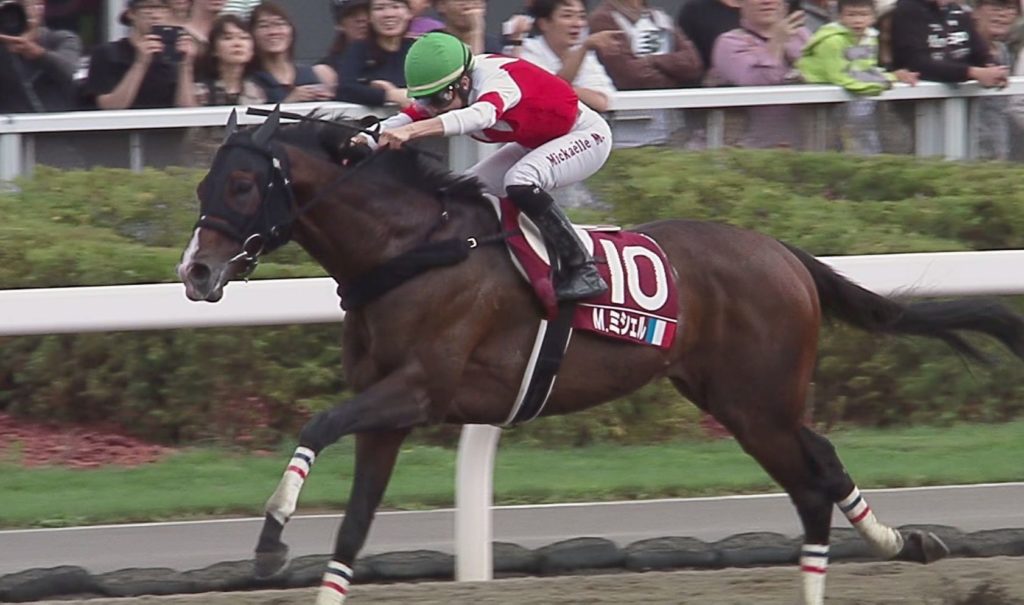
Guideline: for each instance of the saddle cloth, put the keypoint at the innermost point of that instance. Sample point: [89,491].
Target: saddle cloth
[641,304]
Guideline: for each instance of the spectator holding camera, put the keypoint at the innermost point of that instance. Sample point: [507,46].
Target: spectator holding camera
[763,51]
[273,67]
[152,67]
[373,70]
[222,78]
[467,21]
[180,12]
[937,39]
[564,49]
[36,64]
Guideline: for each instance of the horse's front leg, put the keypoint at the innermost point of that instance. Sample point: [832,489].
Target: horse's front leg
[376,454]
[397,403]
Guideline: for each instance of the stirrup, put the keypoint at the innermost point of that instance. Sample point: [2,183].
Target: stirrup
[582,281]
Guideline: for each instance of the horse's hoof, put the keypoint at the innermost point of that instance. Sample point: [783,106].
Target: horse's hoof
[269,562]
[922,547]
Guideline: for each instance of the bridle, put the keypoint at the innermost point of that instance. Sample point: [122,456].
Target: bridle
[279,211]
[271,228]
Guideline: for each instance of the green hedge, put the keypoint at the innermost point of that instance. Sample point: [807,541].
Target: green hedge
[251,386]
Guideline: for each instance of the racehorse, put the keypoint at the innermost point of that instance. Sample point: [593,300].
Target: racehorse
[450,344]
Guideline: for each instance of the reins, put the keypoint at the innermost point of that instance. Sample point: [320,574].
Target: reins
[276,235]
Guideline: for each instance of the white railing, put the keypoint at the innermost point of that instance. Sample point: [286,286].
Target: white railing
[943,117]
[313,300]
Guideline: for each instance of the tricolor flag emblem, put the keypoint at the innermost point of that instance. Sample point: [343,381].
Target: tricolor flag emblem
[657,331]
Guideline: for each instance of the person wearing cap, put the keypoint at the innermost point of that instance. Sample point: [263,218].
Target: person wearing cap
[352,24]
[136,72]
[551,139]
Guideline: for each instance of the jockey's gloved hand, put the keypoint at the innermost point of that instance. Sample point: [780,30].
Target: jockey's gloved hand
[358,152]
[364,140]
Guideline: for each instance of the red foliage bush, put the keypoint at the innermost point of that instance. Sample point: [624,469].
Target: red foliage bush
[33,444]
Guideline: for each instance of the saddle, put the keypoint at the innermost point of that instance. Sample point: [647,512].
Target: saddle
[640,306]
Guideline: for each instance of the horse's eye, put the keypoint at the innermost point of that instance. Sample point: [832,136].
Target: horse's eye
[241,187]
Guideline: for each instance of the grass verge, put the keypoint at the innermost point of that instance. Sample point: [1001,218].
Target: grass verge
[198,483]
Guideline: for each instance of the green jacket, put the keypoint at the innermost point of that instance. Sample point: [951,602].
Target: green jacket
[835,56]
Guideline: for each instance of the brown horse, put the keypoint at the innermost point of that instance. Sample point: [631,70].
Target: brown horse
[451,344]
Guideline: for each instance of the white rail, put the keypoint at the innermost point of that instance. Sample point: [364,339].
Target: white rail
[313,300]
[943,120]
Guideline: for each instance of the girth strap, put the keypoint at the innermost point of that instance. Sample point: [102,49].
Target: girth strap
[542,368]
[392,273]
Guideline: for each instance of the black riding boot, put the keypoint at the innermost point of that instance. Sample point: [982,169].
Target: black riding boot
[578,276]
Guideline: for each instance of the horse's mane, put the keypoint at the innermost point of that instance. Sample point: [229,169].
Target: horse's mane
[408,165]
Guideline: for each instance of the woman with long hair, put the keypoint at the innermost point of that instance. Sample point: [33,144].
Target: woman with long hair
[222,74]
[372,72]
[273,65]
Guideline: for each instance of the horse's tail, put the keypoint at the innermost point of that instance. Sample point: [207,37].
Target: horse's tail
[844,300]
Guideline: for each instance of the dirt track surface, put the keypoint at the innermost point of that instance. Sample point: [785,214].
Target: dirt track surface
[992,581]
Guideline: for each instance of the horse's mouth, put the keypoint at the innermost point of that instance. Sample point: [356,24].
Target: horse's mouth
[201,283]
[211,297]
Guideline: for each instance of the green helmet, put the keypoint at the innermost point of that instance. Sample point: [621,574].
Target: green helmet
[435,62]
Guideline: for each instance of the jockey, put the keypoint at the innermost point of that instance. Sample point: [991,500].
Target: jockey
[550,138]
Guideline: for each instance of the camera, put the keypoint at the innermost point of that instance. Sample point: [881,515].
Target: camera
[13,18]
[169,36]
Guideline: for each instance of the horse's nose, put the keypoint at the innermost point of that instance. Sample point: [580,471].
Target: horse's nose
[199,275]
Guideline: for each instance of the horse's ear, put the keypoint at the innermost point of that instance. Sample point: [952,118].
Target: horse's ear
[232,126]
[267,129]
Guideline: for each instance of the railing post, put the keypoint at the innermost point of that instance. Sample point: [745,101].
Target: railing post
[11,158]
[136,154]
[474,488]
[716,129]
[28,154]
[954,124]
[928,128]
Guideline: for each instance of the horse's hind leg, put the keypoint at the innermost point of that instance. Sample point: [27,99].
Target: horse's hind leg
[780,452]
[887,542]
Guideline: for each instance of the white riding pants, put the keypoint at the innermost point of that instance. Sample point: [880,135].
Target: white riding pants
[569,159]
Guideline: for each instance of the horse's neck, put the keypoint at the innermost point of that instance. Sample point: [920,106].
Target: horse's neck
[353,233]
[350,236]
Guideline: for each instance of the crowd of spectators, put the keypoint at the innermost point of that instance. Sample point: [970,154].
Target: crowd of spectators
[214,52]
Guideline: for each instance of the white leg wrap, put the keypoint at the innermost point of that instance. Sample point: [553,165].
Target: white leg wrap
[334,588]
[285,498]
[813,566]
[884,540]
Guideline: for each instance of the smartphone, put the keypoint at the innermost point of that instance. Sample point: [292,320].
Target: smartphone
[793,5]
[169,36]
